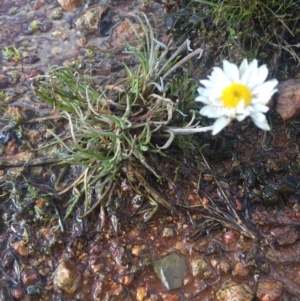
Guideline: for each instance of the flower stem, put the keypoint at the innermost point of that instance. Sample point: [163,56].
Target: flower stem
[186,131]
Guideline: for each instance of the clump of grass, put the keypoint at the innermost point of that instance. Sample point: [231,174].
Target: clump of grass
[251,26]
[13,11]
[11,53]
[34,26]
[89,53]
[57,14]
[116,129]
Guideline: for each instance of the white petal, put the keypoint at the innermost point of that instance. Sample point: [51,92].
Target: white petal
[209,92]
[258,117]
[220,124]
[201,90]
[212,111]
[202,99]
[266,87]
[231,112]
[242,117]
[231,71]
[253,65]
[260,120]
[243,67]
[250,73]
[207,83]
[219,77]
[262,124]
[260,107]
[240,107]
[263,98]
[252,79]
[262,74]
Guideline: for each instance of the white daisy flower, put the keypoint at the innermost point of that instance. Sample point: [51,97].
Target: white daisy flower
[235,93]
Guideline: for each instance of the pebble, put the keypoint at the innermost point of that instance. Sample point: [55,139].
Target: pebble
[230,237]
[17,293]
[169,297]
[56,50]
[168,232]
[269,291]
[90,20]
[136,250]
[224,266]
[21,248]
[39,4]
[34,136]
[33,290]
[66,277]
[108,290]
[240,271]
[81,41]
[29,277]
[70,5]
[234,291]
[126,280]
[9,98]
[141,293]
[57,32]
[200,268]
[153,297]
[25,54]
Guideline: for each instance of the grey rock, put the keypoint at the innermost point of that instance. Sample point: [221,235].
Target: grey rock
[171,270]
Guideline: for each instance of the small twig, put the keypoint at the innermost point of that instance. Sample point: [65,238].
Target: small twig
[41,119]
[36,162]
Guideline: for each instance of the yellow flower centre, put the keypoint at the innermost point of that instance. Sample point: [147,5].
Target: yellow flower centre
[233,94]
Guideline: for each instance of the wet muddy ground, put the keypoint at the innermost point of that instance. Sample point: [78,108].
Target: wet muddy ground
[233,228]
